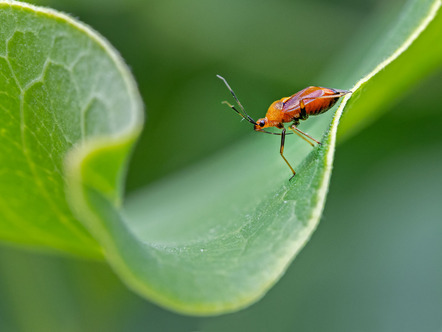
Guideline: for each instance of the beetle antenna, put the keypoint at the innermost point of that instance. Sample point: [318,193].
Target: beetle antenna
[243,112]
[233,108]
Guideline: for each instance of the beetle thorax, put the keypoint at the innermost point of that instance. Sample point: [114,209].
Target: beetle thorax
[274,113]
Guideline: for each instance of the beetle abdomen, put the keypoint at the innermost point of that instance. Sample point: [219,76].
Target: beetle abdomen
[319,106]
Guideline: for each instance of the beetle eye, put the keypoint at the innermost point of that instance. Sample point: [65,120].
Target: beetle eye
[262,123]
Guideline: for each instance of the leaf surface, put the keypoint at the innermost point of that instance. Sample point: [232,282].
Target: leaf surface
[61,85]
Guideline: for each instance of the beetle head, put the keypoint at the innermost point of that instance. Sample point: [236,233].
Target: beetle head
[261,123]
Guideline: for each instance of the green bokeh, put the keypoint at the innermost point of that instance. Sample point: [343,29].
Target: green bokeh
[373,265]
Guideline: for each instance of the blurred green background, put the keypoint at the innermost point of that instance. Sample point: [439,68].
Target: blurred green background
[375,262]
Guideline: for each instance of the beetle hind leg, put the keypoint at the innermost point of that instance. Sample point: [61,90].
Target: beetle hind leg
[303,135]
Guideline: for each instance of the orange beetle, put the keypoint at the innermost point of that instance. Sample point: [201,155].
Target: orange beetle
[313,100]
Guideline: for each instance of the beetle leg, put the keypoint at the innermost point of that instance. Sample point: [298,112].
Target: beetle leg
[281,151]
[303,135]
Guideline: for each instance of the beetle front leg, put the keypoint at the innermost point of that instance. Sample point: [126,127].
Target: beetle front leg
[281,151]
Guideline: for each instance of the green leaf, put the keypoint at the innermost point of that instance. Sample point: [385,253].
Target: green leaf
[379,92]
[215,237]
[211,239]
[61,86]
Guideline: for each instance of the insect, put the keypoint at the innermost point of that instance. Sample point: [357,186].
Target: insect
[312,100]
